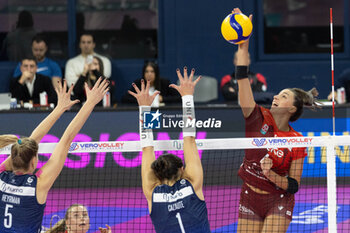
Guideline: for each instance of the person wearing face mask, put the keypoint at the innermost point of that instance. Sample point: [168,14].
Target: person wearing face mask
[28,86]
[76,220]
[150,72]
[90,75]
[75,65]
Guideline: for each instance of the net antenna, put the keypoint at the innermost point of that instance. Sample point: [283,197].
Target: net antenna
[331,163]
[332,66]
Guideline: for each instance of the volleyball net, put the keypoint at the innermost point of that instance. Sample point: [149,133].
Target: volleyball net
[106,178]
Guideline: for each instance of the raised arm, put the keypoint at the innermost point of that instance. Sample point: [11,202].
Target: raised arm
[149,180]
[193,166]
[245,93]
[53,167]
[63,104]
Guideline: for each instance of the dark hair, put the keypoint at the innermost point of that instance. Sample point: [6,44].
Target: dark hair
[301,98]
[156,72]
[39,38]
[22,153]
[28,57]
[25,19]
[100,64]
[88,34]
[167,167]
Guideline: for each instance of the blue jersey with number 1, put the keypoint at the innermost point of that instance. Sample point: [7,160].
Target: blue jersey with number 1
[177,209]
[20,211]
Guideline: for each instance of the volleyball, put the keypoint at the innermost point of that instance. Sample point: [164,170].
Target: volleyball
[236,28]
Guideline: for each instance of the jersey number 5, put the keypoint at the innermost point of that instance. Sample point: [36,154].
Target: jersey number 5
[8,216]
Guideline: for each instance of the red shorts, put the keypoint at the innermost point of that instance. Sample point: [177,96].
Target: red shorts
[256,206]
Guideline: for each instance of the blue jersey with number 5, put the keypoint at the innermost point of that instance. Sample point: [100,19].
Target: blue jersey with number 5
[20,211]
[177,209]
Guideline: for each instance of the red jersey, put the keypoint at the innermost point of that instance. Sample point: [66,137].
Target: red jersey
[260,123]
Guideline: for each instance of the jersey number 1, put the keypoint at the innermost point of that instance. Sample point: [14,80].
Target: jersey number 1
[8,216]
[178,216]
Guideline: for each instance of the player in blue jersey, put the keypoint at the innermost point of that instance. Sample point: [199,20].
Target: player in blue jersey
[23,191]
[173,192]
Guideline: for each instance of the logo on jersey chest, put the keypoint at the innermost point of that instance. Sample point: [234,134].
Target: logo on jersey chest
[275,151]
[264,129]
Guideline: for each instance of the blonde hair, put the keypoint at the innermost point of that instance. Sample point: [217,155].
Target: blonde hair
[60,226]
[7,139]
[22,153]
[303,98]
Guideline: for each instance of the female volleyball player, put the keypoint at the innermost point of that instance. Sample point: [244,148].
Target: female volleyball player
[23,194]
[76,220]
[271,176]
[174,193]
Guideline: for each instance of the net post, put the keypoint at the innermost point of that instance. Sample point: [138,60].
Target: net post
[331,186]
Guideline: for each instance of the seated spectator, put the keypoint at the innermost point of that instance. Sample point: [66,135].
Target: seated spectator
[90,75]
[76,220]
[229,87]
[46,66]
[75,66]
[342,81]
[28,86]
[18,42]
[150,72]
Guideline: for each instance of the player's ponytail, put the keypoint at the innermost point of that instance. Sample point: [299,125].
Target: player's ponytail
[303,98]
[7,139]
[22,152]
[167,167]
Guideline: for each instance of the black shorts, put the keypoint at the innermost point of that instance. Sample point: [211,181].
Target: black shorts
[256,206]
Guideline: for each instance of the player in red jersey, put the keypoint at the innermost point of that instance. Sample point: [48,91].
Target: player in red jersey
[271,176]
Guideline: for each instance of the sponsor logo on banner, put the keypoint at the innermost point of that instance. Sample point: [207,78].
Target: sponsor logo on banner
[96,146]
[300,141]
[179,145]
[259,142]
[74,146]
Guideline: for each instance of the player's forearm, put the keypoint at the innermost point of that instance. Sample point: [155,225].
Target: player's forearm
[44,127]
[78,122]
[280,181]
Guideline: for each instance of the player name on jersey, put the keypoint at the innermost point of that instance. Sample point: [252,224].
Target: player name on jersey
[11,199]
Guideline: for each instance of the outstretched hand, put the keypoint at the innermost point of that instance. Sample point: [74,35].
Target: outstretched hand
[105,230]
[187,84]
[64,102]
[142,96]
[244,45]
[242,52]
[95,95]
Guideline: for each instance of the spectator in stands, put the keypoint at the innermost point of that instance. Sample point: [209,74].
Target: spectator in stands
[46,66]
[75,66]
[18,42]
[28,86]
[90,75]
[342,81]
[150,72]
[229,87]
[76,220]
